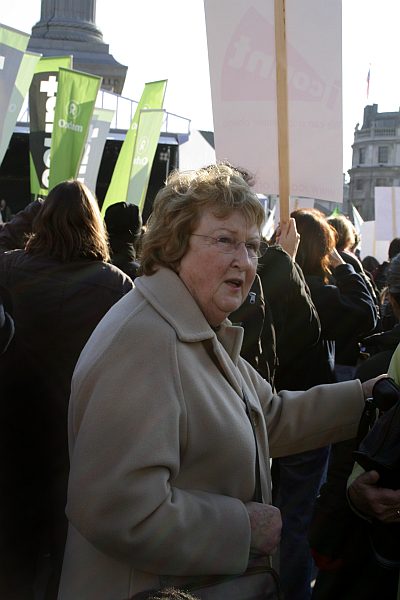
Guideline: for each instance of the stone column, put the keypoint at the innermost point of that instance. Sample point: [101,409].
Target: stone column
[69,27]
[68,20]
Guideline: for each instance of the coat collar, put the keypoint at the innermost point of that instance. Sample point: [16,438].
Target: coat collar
[169,296]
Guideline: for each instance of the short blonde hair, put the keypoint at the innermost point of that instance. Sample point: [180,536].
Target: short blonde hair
[179,205]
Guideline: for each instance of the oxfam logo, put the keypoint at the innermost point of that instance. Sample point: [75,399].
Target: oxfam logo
[73,110]
[143,145]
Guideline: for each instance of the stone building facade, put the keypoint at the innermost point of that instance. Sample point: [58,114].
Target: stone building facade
[376,158]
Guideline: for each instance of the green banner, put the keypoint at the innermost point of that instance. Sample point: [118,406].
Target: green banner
[42,101]
[148,134]
[76,97]
[152,98]
[20,90]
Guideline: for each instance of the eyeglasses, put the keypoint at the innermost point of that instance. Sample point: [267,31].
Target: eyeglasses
[228,245]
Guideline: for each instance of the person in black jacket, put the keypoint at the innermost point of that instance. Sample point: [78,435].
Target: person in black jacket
[123,222]
[61,284]
[259,340]
[297,479]
[347,351]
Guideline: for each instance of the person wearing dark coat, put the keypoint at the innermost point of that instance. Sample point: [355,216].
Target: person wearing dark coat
[60,286]
[124,223]
[381,274]
[259,340]
[347,351]
[297,478]
[357,574]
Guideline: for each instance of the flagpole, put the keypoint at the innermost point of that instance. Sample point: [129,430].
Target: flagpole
[282,108]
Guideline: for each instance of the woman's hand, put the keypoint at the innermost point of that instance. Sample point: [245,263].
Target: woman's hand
[266,525]
[288,237]
[335,259]
[374,501]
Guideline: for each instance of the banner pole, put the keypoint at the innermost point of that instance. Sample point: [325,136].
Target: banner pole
[282,108]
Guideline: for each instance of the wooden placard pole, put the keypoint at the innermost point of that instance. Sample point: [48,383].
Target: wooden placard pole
[282,108]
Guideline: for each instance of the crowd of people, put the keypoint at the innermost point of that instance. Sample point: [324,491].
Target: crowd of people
[181,399]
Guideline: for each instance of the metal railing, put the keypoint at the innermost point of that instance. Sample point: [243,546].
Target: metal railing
[375,132]
[124,109]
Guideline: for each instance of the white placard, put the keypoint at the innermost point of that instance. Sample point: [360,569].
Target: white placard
[294,204]
[369,245]
[387,213]
[241,49]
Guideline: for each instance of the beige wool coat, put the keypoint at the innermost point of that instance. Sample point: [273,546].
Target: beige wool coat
[162,451]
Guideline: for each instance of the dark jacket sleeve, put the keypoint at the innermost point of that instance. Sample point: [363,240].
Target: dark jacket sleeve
[345,307]
[13,234]
[295,317]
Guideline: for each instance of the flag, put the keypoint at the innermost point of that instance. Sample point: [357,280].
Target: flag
[148,133]
[368,78]
[76,97]
[269,226]
[335,213]
[19,92]
[152,98]
[42,101]
[357,219]
[13,44]
[97,137]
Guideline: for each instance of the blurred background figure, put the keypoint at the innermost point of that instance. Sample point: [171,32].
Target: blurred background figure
[124,223]
[371,265]
[381,275]
[60,286]
[380,346]
[5,211]
[347,350]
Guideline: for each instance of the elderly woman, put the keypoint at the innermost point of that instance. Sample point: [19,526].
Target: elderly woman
[163,454]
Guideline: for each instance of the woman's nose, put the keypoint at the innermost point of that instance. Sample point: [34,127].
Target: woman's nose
[241,255]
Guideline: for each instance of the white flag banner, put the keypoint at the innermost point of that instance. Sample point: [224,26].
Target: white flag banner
[241,49]
[370,246]
[13,44]
[97,137]
[387,213]
[357,219]
[269,227]
[19,92]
